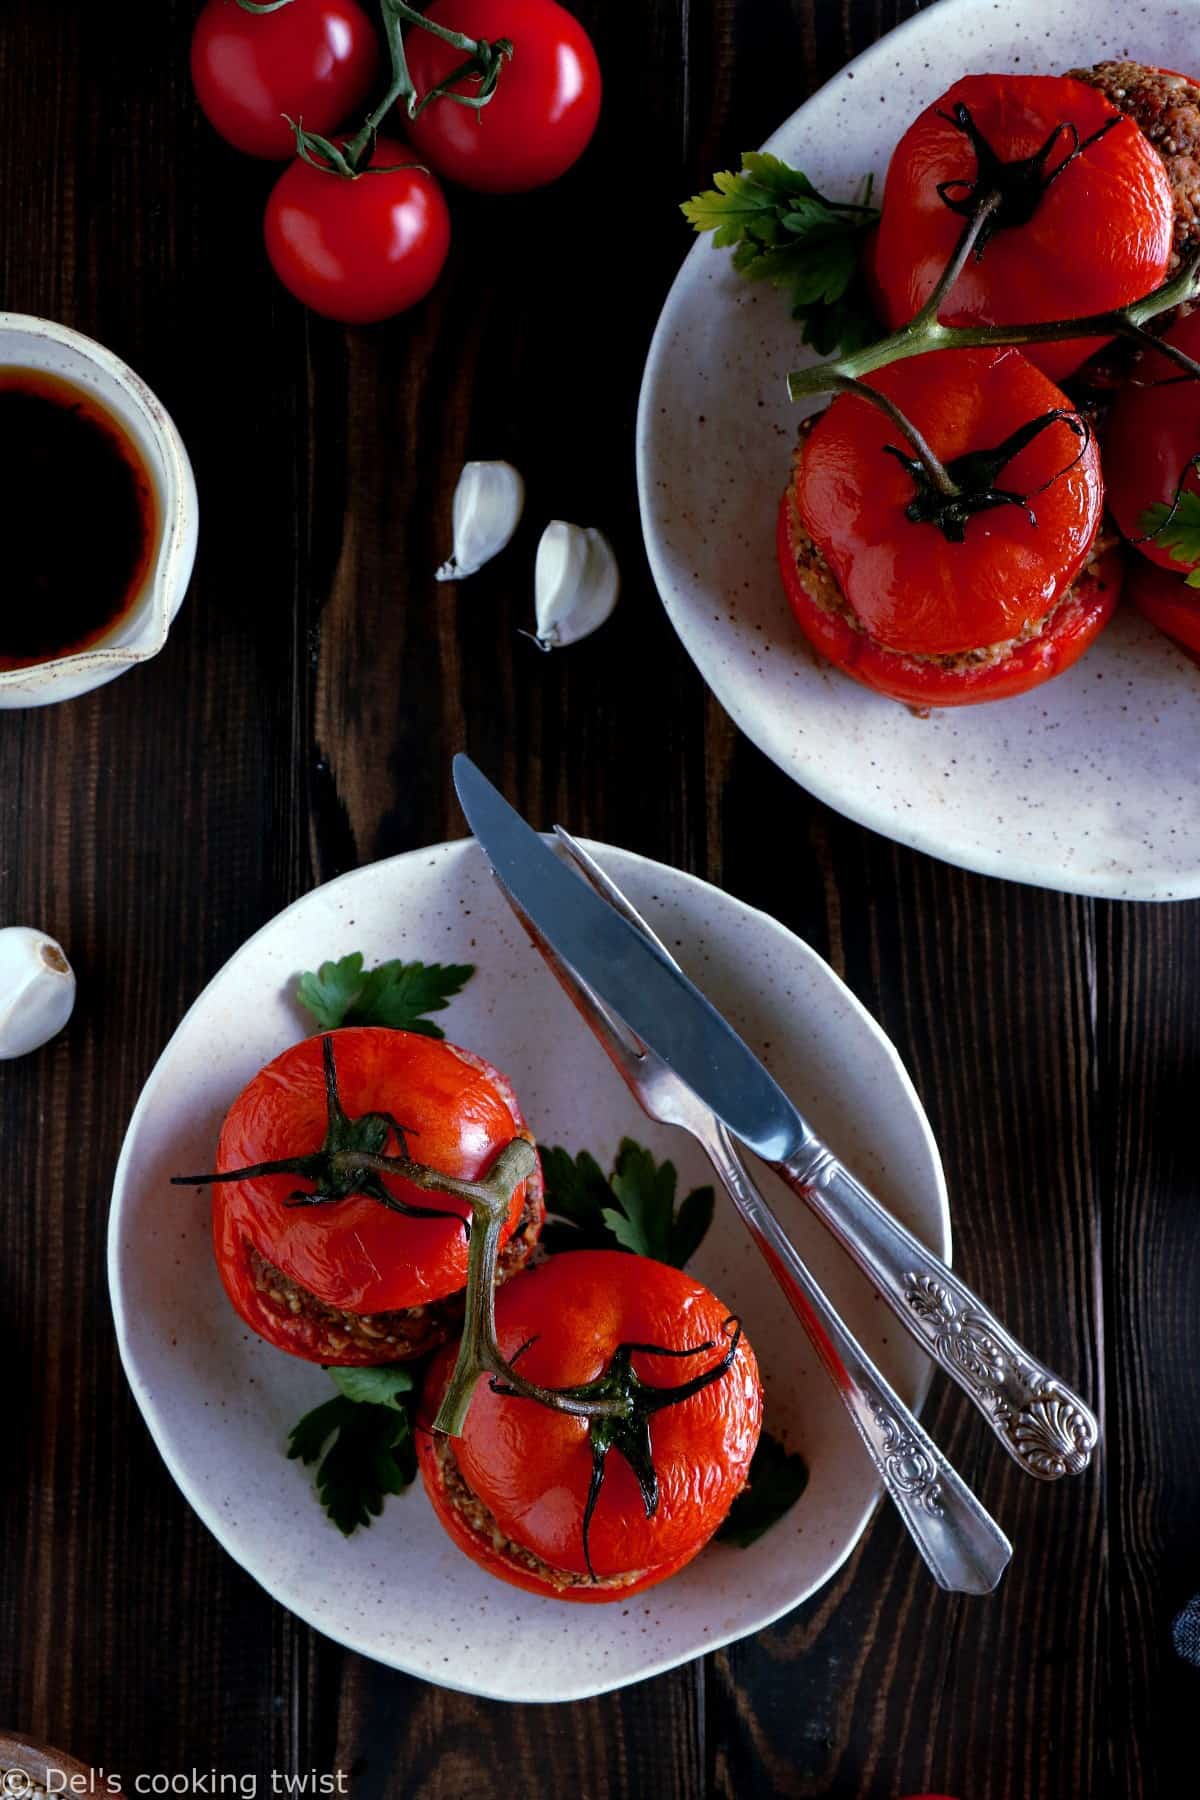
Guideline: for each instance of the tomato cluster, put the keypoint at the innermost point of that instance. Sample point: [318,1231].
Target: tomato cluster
[370,1268]
[970,562]
[357,227]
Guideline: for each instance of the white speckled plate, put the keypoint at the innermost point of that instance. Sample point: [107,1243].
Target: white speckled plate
[219,1402]
[1087,783]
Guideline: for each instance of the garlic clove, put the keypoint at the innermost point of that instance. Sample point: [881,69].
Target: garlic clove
[575,582]
[37,990]
[488,503]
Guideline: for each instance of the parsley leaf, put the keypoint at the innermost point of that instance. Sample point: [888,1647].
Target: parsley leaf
[782,230]
[635,1206]
[398,994]
[372,1452]
[778,1477]
[380,1384]
[1181,536]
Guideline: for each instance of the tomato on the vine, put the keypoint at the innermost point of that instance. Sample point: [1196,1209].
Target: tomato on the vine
[1153,433]
[544,109]
[338,1281]
[358,248]
[1085,224]
[313,60]
[928,613]
[513,1490]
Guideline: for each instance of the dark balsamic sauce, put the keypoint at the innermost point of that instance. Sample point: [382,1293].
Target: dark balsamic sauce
[77,519]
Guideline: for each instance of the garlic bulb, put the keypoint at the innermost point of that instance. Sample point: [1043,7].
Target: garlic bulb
[575,583]
[488,502]
[37,990]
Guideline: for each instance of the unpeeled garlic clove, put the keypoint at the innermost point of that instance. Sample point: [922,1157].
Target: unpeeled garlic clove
[37,990]
[575,583]
[488,502]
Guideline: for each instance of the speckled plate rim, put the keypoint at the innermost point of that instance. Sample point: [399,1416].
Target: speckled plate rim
[158,1425]
[839,795]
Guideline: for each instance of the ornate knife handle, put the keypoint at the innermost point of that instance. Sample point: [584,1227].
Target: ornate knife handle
[1041,1423]
[965,1550]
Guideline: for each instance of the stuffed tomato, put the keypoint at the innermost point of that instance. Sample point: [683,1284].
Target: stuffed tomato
[944,601]
[373,1271]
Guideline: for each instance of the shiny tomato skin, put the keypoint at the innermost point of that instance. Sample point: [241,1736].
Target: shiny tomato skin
[1168,602]
[531,1466]
[910,588]
[1079,622]
[1152,433]
[543,113]
[356,1254]
[314,60]
[1100,236]
[358,250]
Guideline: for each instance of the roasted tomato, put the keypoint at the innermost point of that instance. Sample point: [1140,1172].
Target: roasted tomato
[513,1490]
[1168,602]
[895,601]
[1153,433]
[1085,224]
[350,1281]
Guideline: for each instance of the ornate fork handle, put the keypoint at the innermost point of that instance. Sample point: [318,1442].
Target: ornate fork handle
[964,1548]
[1041,1423]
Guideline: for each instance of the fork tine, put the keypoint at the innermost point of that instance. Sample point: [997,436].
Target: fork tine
[626,1050]
[608,890]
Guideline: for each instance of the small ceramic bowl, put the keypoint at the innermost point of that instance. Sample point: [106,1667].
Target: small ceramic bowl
[141,631]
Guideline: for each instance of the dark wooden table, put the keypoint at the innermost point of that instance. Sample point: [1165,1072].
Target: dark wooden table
[301,721]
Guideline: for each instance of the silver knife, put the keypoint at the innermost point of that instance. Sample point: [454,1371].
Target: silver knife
[1045,1426]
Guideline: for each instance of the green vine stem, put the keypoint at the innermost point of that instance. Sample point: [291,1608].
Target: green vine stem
[925,331]
[483,59]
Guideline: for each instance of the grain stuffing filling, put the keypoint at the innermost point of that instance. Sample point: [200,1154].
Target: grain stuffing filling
[483,1524]
[820,584]
[394,1336]
[1166,108]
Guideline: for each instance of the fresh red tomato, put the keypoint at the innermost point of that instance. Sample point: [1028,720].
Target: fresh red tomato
[1168,602]
[313,60]
[1094,237]
[512,1490]
[1153,433]
[898,605]
[354,1258]
[360,248]
[543,112]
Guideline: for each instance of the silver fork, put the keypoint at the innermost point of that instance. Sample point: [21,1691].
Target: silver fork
[963,1546]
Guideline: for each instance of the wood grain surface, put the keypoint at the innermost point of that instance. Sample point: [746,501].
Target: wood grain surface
[301,721]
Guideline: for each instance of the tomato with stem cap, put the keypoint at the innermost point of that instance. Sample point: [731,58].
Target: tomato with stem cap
[540,117]
[253,70]
[943,599]
[651,1482]
[306,1254]
[362,244]
[1084,226]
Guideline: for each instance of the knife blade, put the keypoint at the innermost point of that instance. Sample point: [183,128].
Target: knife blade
[654,997]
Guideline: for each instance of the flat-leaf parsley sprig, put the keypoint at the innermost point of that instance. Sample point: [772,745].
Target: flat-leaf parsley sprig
[633,1209]
[368,1428]
[397,994]
[782,230]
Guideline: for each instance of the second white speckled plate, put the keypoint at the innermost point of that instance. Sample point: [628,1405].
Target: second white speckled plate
[219,1401]
[1086,784]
